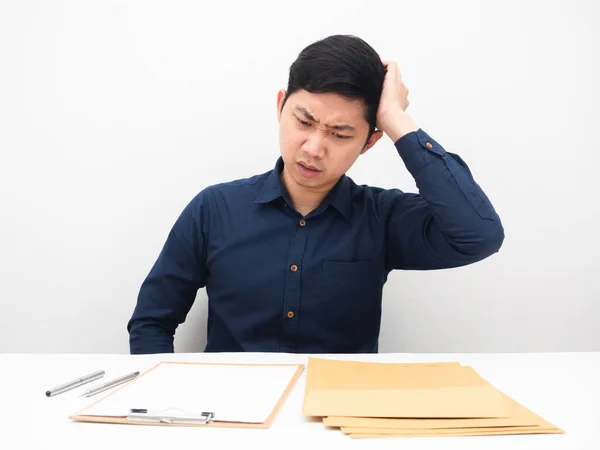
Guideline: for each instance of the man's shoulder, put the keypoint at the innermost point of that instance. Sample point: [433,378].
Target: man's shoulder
[248,182]
[362,191]
[378,199]
[250,185]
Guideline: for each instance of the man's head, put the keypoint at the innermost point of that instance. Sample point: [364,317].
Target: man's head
[328,115]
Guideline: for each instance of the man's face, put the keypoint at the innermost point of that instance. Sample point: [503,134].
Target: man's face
[320,137]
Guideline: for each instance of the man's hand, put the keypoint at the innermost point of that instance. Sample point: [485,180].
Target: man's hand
[392,118]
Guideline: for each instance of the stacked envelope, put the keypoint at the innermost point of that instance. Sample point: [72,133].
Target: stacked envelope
[367,399]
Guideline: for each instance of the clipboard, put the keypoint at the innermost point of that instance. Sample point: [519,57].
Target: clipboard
[280,380]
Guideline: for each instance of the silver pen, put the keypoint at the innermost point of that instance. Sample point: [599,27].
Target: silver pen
[110,384]
[75,383]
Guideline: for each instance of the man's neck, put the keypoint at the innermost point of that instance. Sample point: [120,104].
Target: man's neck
[304,200]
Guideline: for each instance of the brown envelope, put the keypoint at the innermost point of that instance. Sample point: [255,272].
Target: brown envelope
[471,433]
[448,432]
[386,390]
[519,416]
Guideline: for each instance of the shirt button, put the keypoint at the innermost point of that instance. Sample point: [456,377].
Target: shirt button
[302,223]
[428,144]
[290,314]
[294,267]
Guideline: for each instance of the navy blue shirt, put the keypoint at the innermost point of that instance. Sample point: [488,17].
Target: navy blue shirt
[280,282]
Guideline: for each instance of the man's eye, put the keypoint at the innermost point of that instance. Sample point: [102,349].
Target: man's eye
[303,122]
[341,136]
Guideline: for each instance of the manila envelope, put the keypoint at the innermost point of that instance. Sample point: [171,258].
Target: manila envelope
[453,427]
[387,390]
[451,432]
[519,417]
[458,433]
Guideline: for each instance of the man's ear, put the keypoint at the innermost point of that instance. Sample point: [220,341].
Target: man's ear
[377,134]
[281,95]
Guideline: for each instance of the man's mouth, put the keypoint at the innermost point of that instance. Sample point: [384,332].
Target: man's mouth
[309,167]
[307,170]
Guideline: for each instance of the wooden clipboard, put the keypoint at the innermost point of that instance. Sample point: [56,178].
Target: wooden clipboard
[81,417]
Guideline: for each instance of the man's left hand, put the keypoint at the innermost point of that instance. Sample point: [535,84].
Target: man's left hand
[392,118]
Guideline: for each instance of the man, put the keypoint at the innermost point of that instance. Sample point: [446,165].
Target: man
[295,259]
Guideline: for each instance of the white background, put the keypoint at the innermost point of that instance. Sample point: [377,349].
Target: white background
[114,114]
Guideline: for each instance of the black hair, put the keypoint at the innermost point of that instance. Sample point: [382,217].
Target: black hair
[341,64]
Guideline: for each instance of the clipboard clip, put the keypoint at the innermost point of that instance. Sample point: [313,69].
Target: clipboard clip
[170,416]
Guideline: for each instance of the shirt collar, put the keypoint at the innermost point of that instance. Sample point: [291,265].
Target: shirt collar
[273,187]
[339,197]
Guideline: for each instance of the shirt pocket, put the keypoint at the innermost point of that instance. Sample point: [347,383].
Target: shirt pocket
[350,297]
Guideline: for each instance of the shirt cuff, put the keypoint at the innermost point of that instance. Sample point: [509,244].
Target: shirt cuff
[417,149]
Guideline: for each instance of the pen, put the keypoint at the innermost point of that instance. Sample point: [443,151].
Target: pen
[75,383]
[110,384]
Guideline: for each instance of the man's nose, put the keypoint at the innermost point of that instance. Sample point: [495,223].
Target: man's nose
[314,146]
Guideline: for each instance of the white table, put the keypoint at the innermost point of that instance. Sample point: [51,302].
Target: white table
[563,388]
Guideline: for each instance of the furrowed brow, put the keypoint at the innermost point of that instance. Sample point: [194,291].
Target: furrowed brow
[309,116]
